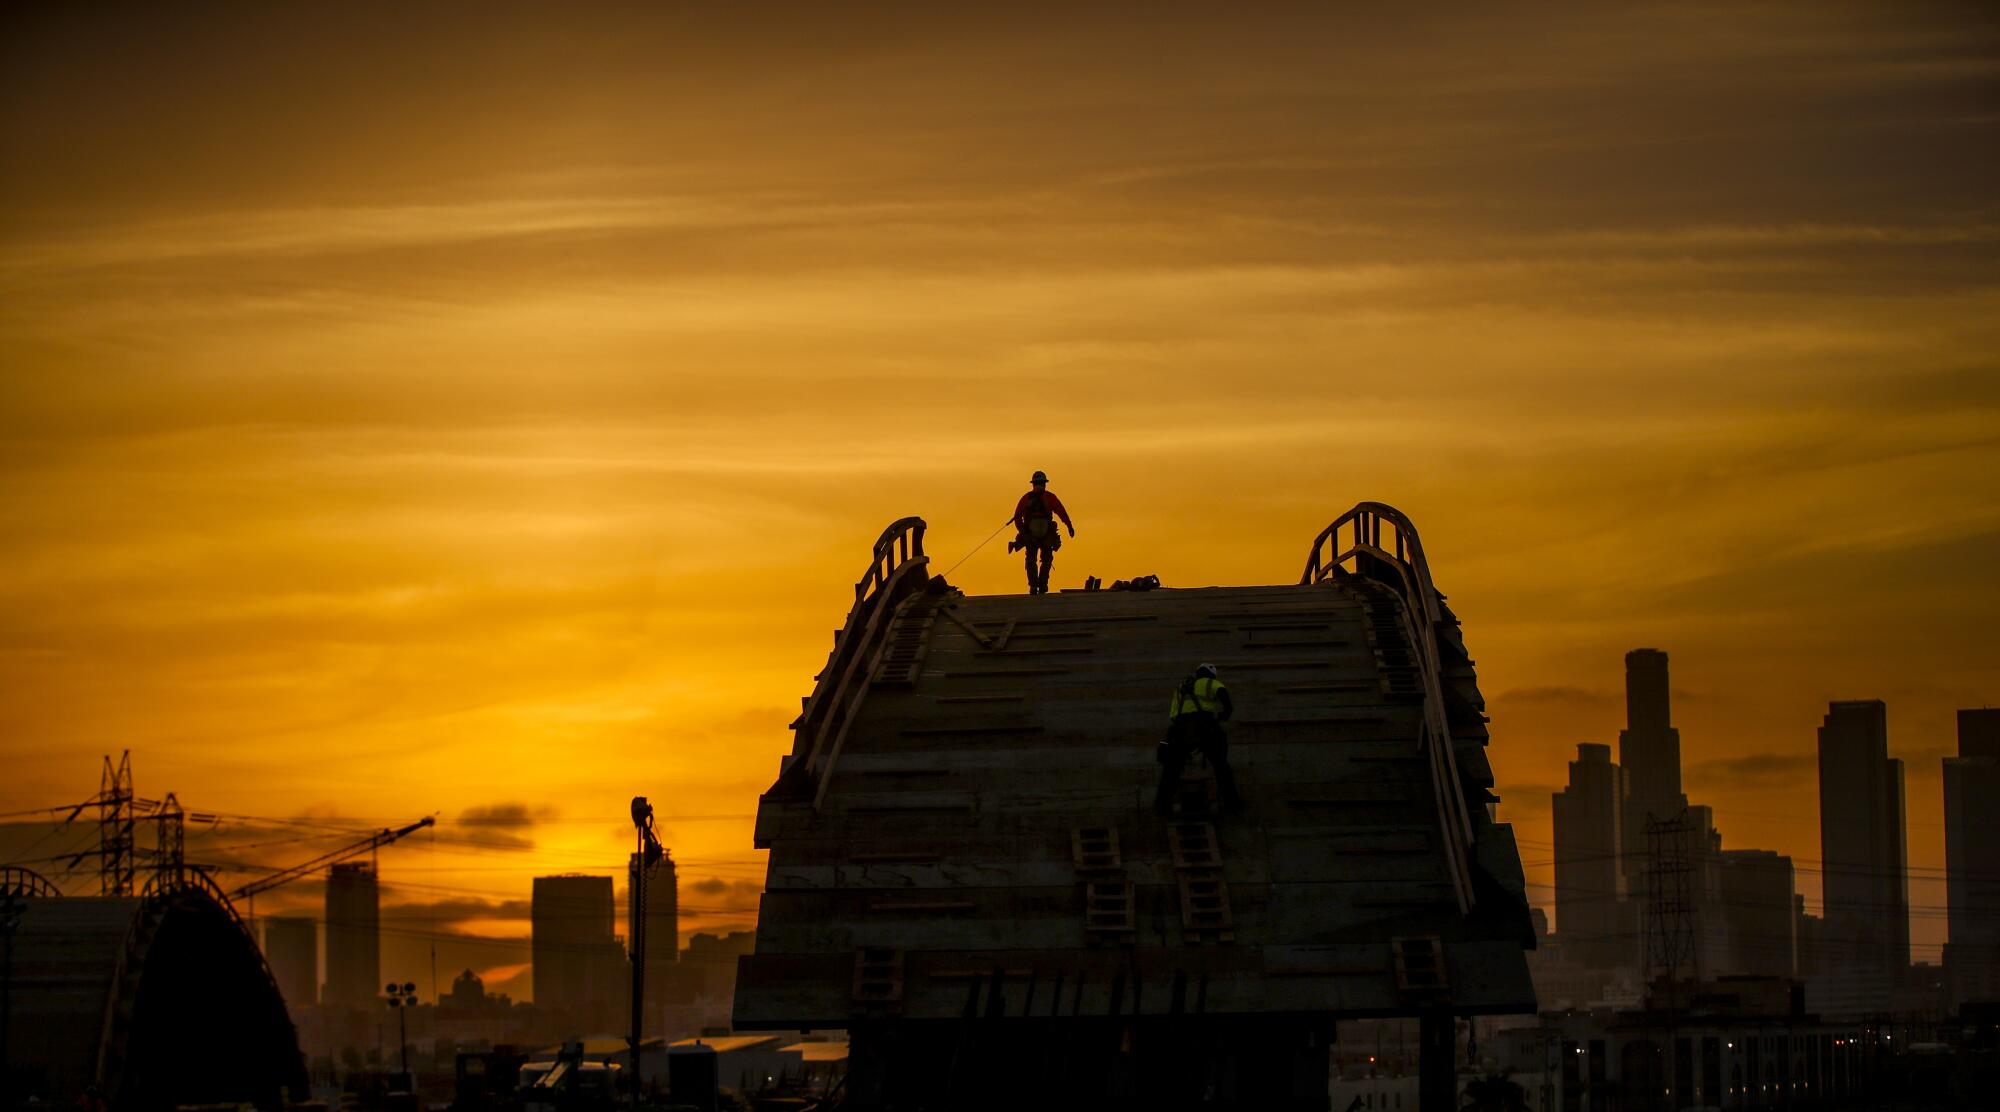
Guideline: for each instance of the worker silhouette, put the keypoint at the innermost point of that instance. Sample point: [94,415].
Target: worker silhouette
[1200,706]
[1035,531]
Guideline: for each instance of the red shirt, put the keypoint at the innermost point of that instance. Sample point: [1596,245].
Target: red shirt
[1050,505]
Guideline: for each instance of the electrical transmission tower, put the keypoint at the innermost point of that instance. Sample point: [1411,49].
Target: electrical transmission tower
[1673,963]
[1672,948]
[117,815]
[170,862]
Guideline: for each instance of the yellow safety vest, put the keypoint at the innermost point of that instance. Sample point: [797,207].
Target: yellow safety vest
[1203,699]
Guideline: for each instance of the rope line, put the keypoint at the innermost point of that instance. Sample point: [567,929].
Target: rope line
[977,547]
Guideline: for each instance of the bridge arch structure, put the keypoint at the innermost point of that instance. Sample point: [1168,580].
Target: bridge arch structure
[966,870]
[152,1001]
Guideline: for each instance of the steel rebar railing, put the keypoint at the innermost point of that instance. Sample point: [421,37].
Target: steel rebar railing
[1408,576]
[898,559]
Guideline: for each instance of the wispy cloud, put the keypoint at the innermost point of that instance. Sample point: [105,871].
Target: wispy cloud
[1556,693]
[1755,770]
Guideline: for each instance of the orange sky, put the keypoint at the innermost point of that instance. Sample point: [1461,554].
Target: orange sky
[469,412]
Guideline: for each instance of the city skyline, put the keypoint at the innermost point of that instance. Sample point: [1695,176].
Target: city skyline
[409,944]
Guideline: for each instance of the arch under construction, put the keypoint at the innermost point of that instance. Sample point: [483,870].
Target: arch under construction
[966,870]
[153,1001]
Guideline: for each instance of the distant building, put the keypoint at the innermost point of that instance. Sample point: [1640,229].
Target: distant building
[1972,857]
[468,992]
[705,982]
[1711,915]
[1589,838]
[1758,908]
[1862,851]
[291,948]
[663,924]
[1809,931]
[1649,752]
[1743,1042]
[353,935]
[579,964]
[1649,747]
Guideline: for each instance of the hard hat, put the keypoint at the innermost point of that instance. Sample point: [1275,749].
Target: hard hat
[1205,670]
[1039,477]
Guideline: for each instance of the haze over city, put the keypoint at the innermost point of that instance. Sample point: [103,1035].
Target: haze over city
[407,412]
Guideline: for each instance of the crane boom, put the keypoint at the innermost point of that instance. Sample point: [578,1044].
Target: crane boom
[374,841]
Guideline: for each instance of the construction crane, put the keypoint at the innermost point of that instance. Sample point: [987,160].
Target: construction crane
[369,844]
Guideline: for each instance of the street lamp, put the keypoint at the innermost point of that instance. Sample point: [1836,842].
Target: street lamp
[402,998]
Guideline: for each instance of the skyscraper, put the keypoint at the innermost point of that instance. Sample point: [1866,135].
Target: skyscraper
[1649,747]
[579,965]
[1866,882]
[1759,912]
[663,924]
[291,947]
[1588,835]
[353,935]
[1972,857]
[1649,750]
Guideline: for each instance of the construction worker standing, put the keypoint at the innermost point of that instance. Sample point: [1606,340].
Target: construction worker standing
[1199,707]
[1035,531]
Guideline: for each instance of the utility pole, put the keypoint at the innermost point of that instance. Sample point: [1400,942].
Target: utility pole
[643,859]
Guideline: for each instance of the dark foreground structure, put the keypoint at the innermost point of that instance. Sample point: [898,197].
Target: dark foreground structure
[967,873]
[151,1002]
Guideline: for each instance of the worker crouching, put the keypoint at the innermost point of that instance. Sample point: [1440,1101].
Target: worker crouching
[1200,706]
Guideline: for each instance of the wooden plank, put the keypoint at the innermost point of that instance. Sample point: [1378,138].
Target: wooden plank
[1095,849]
[896,802]
[972,728]
[1194,845]
[1090,619]
[1314,720]
[1245,662]
[1337,687]
[995,673]
[976,973]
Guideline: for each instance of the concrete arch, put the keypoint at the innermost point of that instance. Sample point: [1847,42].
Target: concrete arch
[152,1001]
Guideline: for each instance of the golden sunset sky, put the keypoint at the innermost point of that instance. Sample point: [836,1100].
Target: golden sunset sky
[486,410]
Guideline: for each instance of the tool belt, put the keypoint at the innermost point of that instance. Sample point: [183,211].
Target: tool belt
[1046,536]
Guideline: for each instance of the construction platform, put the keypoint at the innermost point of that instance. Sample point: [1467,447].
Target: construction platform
[965,827]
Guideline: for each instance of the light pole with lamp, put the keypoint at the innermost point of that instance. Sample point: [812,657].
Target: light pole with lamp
[648,855]
[402,998]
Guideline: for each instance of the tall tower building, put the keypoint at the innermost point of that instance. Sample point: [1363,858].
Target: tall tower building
[353,935]
[1862,851]
[1972,857]
[1589,816]
[1649,750]
[1649,747]
[291,946]
[579,965]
